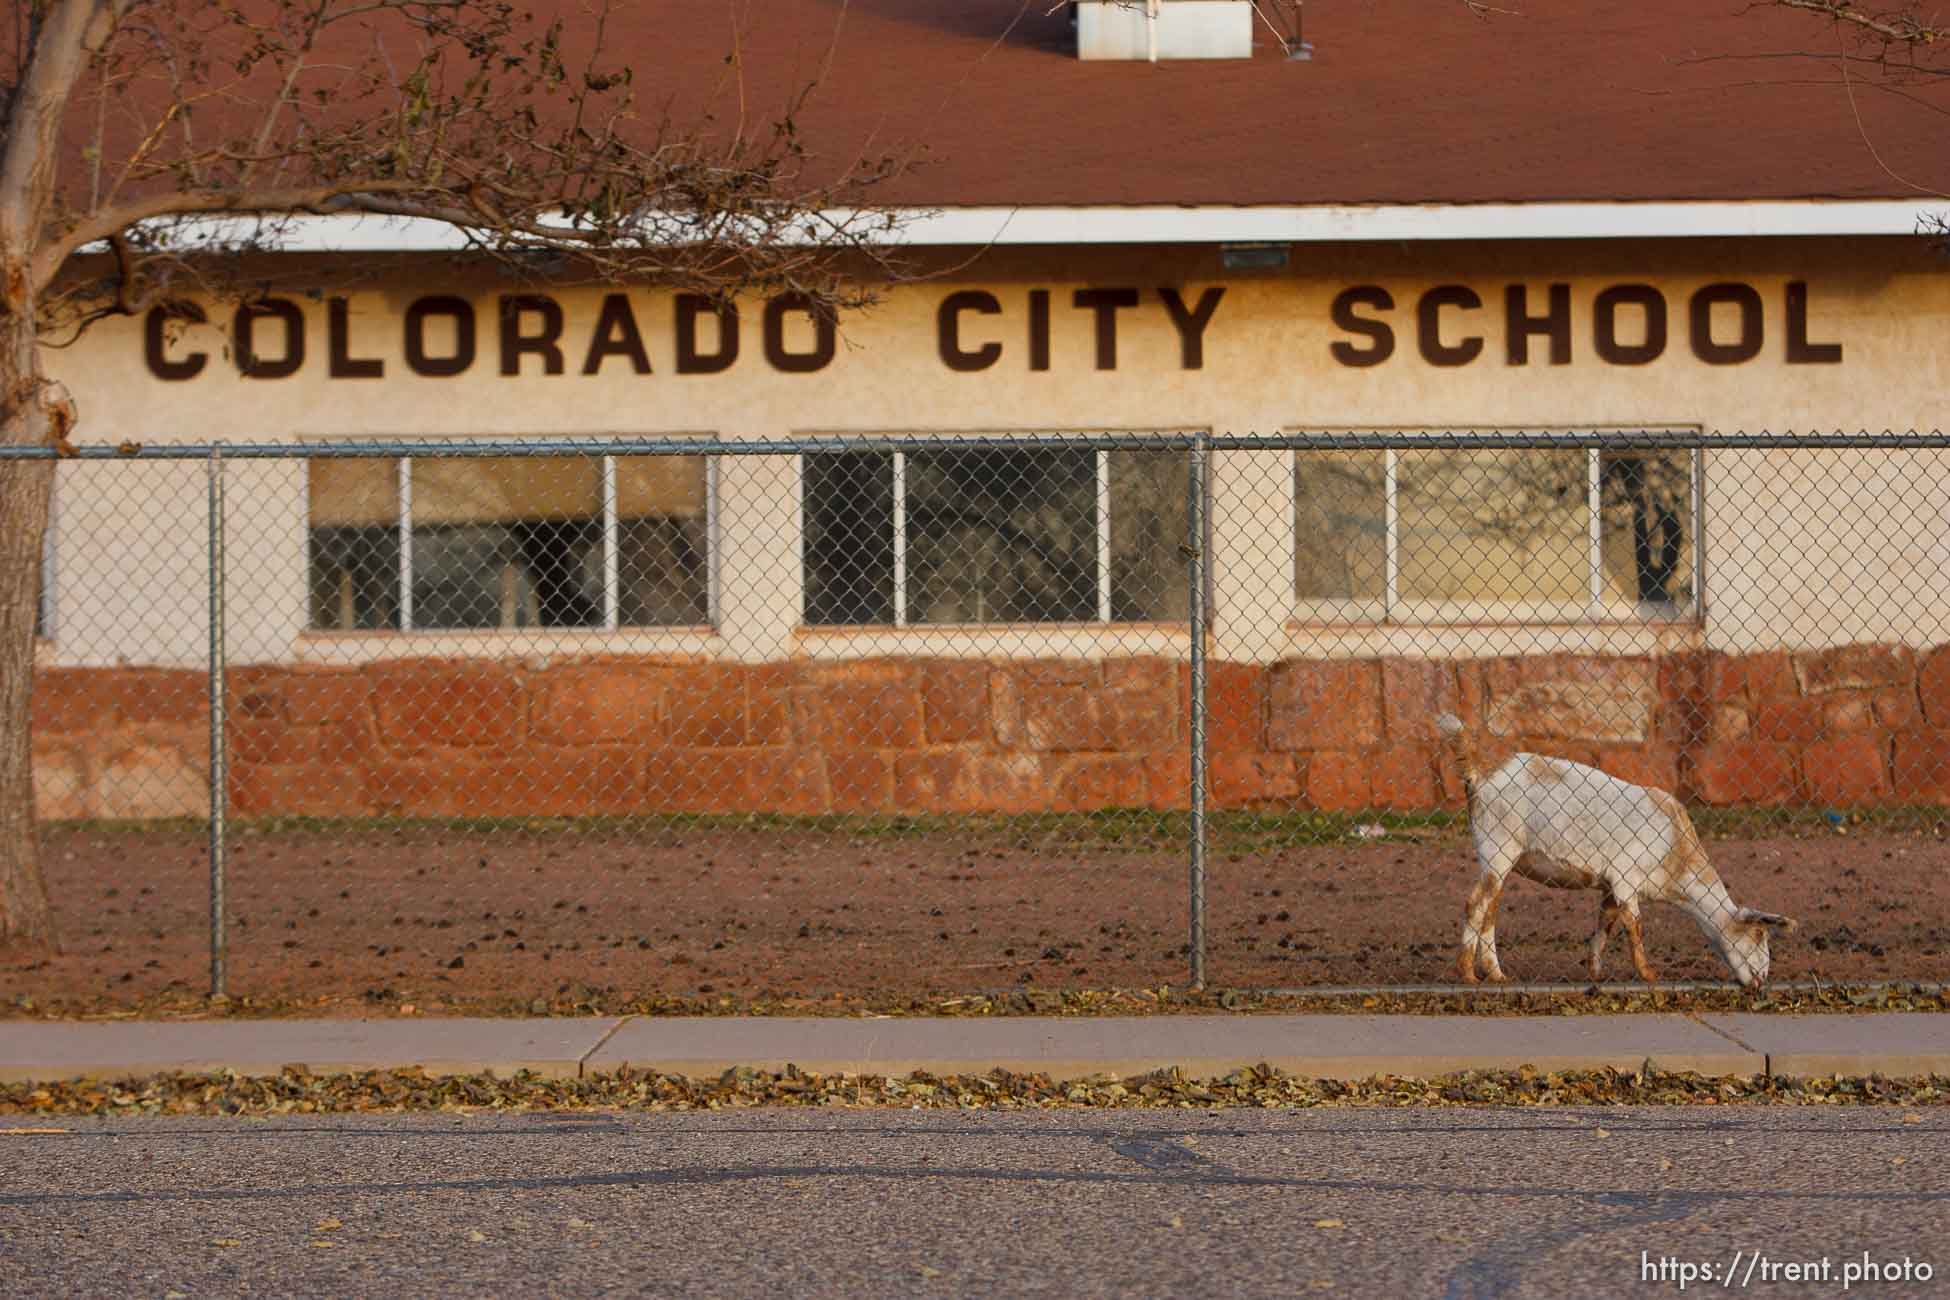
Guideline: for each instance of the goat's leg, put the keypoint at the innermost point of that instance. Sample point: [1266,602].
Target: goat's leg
[1631,914]
[1479,926]
[1609,915]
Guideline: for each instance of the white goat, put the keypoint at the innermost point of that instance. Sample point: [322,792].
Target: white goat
[1573,827]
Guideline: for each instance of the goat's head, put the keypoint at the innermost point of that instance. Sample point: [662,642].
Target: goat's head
[1743,943]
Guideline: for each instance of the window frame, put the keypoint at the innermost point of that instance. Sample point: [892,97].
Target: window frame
[1391,608]
[1102,619]
[607,519]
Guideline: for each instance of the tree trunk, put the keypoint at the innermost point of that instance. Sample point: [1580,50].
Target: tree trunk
[28,414]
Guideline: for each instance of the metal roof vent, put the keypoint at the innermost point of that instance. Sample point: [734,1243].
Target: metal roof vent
[1164,29]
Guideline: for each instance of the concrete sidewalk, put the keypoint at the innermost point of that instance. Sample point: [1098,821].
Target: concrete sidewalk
[1321,1046]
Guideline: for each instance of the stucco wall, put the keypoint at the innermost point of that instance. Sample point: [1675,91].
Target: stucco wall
[130,560]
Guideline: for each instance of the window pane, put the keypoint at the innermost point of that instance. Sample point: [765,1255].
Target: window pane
[506,489]
[662,539]
[1646,508]
[1001,536]
[1148,581]
[1507,526]
[1340,536]
[507,542]
[535,573]
[849,557]
[354,518]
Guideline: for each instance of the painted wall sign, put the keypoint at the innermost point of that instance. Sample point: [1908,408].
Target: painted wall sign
[1627,325]
[442,336]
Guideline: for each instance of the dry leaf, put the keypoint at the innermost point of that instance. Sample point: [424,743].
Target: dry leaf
[327,1225]
[225,1241]
[1664,1163]
[476,1236]
[319,1243]
[1912,1118]
[1176,1221]
[930,1272]
[1900,1160]
[1604,1133]
[25,1132]
[1329,1223]
[579,1224]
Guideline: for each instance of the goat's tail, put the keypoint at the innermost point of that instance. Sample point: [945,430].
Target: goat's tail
[1464,749]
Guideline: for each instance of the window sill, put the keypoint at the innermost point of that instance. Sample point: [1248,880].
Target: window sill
[997,640]
[365,646]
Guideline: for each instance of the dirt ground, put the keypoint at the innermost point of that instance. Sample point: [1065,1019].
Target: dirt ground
[450,917]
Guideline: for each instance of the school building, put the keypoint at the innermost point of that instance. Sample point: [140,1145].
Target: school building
[1383,223]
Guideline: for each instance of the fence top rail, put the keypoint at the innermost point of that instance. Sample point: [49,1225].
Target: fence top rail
[598,445]
[1348,440]
[1606,440]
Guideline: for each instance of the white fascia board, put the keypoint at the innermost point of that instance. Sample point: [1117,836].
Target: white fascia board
[1324,223]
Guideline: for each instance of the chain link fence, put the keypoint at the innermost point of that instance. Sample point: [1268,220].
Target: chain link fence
[517,718]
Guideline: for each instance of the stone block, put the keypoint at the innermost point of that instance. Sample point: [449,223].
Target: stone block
[768,703]
[61,785]
[140,781]
[1147,673]
[683,780]
[860,781]
[1143,718]
[1414,692]
[303,789]
[473,705]
[1653,765]
[1339,781]
[1243,779]
[955,701]
[790,782]
[1403,778]
[1755,676]
[1235,706]
[1324,704]
[1853,668]
[554,783]
[1847,771]
[1090,784]
[1063,717]
[609,705]
[1788,720]
[1847,711]
[70,701]
[1742,772]
[1575,698]
[314,697]
[141,695]
[874,709]
[1920,766]
[1169,773]
[1731,721]
[261,740]
[1896,708]
[1933,686]
[704,708]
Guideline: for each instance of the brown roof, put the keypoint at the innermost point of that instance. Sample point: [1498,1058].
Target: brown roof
[1403,101]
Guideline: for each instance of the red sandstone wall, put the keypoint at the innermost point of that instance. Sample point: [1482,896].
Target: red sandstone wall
[1861,724]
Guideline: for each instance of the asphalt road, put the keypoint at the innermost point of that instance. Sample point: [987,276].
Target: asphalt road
[796,1203]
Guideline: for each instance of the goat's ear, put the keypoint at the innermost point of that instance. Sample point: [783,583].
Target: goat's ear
[1771,919]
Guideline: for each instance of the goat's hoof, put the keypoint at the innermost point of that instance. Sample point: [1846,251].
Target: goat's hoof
[1498,977]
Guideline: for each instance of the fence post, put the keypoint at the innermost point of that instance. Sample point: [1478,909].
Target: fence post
[1197,567]
[219,774]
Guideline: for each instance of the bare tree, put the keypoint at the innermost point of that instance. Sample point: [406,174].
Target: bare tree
[153,146]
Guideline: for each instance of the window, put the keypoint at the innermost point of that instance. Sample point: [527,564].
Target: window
[509,542]
[985,536]
[1449,535]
